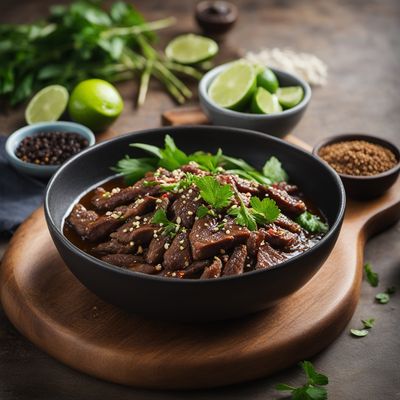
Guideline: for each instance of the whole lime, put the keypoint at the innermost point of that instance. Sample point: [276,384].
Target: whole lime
[95,103]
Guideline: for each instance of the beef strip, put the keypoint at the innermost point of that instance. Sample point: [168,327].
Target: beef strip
[286,202]
[178,255]
[193,168]
[80,218]
[112,247]
[240,233]
[157,248]
[284,222]
[254,242]
[122,260]
[185,206]
[106,201]
[291,189]
[236,262]
[144,268]
[193,271]
[280,238]
[267,256]
[136,231]
[213,271]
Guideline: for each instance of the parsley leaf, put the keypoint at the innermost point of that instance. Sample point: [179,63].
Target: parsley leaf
[244,217]
[311,223]
[359,332]
[368,323]
[134,169]
[183,183]
[265,211]
[372,277]
[312,389]
[160,217]
[213,192]
[382,298]
[273,170]
[202,211]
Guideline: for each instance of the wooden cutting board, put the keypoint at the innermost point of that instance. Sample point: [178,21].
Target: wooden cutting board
[51,308]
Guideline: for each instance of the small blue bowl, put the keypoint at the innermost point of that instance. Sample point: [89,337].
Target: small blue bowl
[42,171]
[278,124]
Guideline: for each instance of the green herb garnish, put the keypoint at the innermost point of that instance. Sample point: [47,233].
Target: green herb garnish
[202,211]
[384,298]
[169,227]
[274,171]
[372,277]
[83,40]
[244,217]
[265,211]
[368,323]
[311,223]
[134,168]
[312,389]
[214,193]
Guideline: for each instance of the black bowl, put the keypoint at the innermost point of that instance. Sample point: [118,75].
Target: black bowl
[195,300]
[365,187]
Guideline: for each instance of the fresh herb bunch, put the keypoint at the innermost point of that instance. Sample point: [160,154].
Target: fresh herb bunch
[169,227]
[312,390]
[82,40]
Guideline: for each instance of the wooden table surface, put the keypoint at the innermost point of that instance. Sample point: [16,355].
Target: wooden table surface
[360,42]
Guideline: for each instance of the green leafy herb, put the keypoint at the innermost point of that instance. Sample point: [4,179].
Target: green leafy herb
[383,298]
[209,162]
[368,323]
[244,216]
[274,171]
[359,332]
[372,277]
[83,40]
[311,223]
[202,211]
[312,389]
[160,217]
[182,184]
[213,192]
[134,168]
[265,211]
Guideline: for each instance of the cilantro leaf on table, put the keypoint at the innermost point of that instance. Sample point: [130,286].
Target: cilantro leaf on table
[359,332]
[273,170]
[160,217]
[371,275]
[265,211]
[383,298]
[214,193]
[311,223]
[368,323]
[312,389]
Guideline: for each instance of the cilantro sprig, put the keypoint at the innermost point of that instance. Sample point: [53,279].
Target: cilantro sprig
[311,223]
[312,390]
[169,227]
[368,324]
[214,193]
[371,275]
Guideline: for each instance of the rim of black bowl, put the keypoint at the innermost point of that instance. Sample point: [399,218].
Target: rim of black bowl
[346,137]
[208,78]
[72,247]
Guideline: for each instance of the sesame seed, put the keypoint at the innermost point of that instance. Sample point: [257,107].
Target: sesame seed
[131,244]
[178,220]
[166,246]
[190,212]
[138,217]
[158,267]
[173,274]
[222,251]
[186,263]
[140,250]
[228,231]
[130,229]
[124,230]
[181,248]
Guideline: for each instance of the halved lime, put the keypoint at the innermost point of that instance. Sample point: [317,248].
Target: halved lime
[191,49]
[290,96]
[265,103]
[234,86]
[268,80]
[95,103]
[47,105]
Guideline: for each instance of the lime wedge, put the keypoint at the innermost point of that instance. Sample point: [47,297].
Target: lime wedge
[290,96]
[191,49]
[234,86]
[268,80]
[47,105]
[265,103]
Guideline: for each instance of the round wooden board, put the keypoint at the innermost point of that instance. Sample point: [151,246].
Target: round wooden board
[52,309]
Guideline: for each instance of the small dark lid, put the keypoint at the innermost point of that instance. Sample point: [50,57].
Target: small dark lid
[216,17]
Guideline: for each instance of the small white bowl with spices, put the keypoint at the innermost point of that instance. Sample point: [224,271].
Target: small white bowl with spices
[40,149]
[367,165]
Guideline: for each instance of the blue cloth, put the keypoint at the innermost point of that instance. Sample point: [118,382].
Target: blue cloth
[20,195]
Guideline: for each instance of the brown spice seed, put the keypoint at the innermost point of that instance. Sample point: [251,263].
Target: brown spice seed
[358,157]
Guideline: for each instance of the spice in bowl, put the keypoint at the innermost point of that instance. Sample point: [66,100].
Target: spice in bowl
[358,157]
[50,148]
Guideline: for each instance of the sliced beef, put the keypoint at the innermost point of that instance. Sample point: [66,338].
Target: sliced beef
[136,232]
[144,268]
[80,219]
[103,226]
[193,168]
[280,238]
[267,256]
[122,260]
[240,233]
[213,271]
[185,206]
[157,248]
[112,247]
[291,189]
[193,271]
[284,222]
[178,255]
[254,242]
[286,202]
[235,264]
[104,200]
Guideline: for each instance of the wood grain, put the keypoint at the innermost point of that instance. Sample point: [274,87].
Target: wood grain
[52,309]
